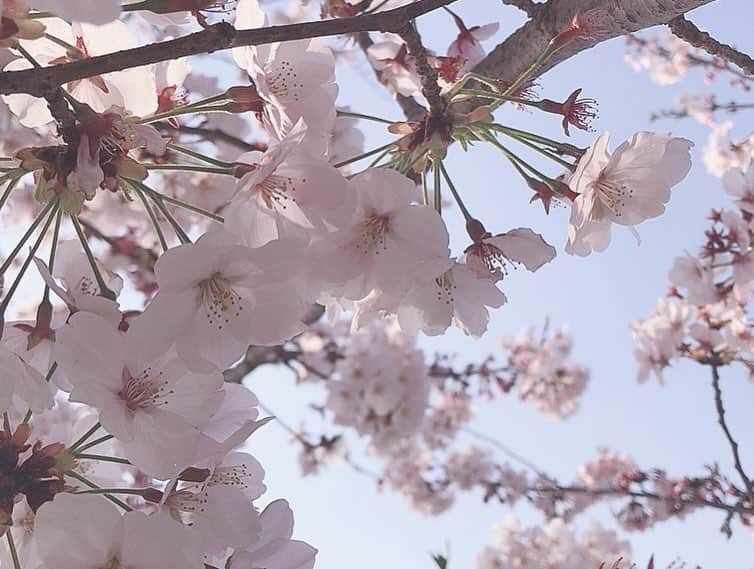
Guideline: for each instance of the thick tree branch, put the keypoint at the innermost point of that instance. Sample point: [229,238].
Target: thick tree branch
[528,6]
[40,82]
[616,18]
[733,444]
[688,32]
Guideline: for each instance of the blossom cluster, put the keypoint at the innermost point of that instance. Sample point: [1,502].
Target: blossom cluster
[177,224]
[706,315]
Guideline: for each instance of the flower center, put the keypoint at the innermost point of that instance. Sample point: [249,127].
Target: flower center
[144,391]
[372,234]
[234,476]
[277,190]
[220,301]
[282,81]
[612,195]
[445,289]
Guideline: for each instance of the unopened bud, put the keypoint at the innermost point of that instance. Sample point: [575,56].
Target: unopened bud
[476,230]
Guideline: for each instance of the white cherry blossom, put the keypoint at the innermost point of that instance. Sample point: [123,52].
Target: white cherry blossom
[153,406]
[217,297]
[625,187]
[275,549]
[286,190]
[392,244]
[88,532]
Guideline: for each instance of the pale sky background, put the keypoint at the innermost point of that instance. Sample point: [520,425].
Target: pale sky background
[673,427]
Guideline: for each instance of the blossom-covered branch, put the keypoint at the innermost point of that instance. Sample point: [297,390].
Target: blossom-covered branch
[216,37]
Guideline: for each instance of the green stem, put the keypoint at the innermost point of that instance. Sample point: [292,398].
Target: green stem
[511,155]
[152,217]
[425,190]
[365,155]
[539,149]
[85,456]
[199,156]
[188,206]
[178,111]
[12,547]
[93,486]
[85,436]
[95,442]
[350,115]
[438,186]
[157,199]
[563,147]
[455,193]
[9,188]
[27,262]
[191,168]
[25,237]
[103,288]
[129,491]
[53,251]
[64,44]
[29,57]
[531,70]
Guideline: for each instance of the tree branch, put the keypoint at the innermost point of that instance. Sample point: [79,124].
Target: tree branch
[430,88]
[733,444]
[528,6]
[688,32]
[617,17]
[39,82]
[210,135]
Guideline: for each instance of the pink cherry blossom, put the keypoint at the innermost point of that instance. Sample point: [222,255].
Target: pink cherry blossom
[288,190]
[275,549]
[88,532]
[626,187]
[392,244]
[217,297]
[154,407]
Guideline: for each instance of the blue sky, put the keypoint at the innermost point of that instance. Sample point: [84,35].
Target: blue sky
[673,427]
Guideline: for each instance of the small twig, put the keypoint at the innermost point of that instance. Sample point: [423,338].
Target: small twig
[210,135]
[733,444]
[688,32]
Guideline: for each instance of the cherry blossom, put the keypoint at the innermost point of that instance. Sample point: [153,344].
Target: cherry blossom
[626,187]
[392,243]
[391,59]
[154,407]
[22,383]
[102,537]
[460,296]
[133,89]
[80,290]
[286,191]
[213,296]
[468,45]
[275,549]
